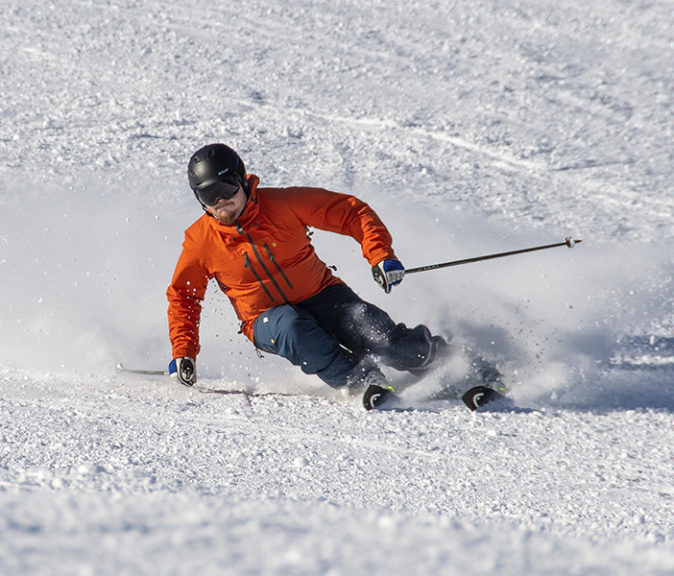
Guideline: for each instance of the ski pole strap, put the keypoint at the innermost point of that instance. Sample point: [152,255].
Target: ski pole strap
[568,242]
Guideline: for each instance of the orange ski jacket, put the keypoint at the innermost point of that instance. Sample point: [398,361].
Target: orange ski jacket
[266,258]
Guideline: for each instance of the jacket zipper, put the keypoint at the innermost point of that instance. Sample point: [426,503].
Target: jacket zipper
[248,264]
[275,263]
[264,267]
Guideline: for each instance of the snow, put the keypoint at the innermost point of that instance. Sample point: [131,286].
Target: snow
[472,128]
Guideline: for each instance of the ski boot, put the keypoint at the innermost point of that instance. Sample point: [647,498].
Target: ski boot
[439,350]
[378,392]
[492,388]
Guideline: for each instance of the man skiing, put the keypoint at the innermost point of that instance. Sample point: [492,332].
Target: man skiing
[254,241]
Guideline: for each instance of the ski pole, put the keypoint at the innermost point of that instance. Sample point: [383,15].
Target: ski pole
[568,242]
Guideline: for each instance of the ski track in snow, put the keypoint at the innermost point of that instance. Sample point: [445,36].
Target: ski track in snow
[471,127]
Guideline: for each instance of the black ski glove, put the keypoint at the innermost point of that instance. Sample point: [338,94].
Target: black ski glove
[388,273]
[183,370]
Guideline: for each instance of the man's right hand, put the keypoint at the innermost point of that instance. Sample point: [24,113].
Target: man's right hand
[183,370]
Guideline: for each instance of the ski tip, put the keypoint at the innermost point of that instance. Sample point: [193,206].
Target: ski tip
[479,396]
[378,398]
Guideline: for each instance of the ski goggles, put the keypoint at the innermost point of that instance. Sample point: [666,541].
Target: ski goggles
[225,189]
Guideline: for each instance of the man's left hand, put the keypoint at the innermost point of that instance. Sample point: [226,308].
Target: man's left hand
[388,273]
[183,370]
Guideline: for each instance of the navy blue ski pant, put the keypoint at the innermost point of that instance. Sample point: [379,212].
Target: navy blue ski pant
[329,333]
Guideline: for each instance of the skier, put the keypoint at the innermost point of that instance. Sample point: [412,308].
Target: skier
[254,241]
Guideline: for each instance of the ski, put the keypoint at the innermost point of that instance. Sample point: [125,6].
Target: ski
[474,398]
[121,368]
[479,396]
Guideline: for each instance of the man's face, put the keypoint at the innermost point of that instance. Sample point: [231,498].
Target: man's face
[227,211]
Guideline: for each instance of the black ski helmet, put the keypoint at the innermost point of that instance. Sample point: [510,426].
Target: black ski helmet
[212,163]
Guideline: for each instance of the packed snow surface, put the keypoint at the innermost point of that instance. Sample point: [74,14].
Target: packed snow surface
[472,127]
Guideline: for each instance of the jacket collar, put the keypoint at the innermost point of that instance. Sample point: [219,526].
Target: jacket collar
[252,207]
